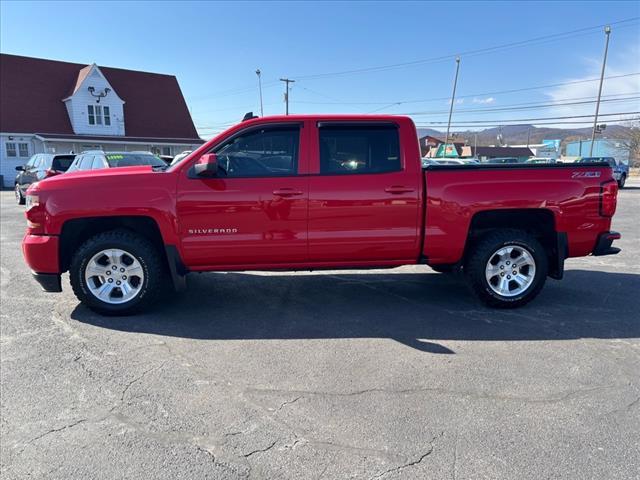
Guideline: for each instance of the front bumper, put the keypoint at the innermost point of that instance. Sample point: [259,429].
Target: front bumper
[603,245]
[41,254]
[50,282]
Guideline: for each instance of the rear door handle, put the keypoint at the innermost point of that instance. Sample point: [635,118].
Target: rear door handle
[396,189]
[287,192]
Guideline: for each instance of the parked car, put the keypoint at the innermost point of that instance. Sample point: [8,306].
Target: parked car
[180,156]
[507,160]
[39,167]
[276,193]
[541,160]
[97,159]
[620,169]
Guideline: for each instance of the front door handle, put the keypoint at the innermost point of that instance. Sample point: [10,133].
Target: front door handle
[287,192]
[396,189]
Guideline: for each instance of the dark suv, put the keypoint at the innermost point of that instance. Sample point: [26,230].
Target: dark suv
[40,166]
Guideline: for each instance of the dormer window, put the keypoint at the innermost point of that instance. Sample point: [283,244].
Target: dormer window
[98,115]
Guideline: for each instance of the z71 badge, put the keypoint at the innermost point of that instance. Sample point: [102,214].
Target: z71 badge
[585,174]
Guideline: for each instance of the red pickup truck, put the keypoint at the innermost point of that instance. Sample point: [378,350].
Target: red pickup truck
[307,192]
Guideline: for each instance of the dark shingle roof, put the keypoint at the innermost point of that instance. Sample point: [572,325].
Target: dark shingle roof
[32,89]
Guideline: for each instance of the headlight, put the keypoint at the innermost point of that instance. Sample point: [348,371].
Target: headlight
[32,201]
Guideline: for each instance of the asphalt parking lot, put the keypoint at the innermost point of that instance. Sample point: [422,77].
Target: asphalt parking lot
[358,374]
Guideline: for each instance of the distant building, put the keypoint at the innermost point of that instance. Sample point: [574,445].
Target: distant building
[58,107]
[487,153]
[546,149]
[429,146]
[605,147]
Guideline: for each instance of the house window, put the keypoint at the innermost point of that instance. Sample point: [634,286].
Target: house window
[97,113]
[23,149]
[166,150]
[11,149]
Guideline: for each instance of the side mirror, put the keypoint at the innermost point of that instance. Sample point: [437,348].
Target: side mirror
[20,168]
[206,166]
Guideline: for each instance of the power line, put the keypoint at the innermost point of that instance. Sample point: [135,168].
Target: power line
[556,36]
[497,92]
[533,119]
[616,121]
[525,106]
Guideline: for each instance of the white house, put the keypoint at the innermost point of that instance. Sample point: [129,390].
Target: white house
[60,107]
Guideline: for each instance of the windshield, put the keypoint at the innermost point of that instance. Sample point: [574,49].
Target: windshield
[133,159]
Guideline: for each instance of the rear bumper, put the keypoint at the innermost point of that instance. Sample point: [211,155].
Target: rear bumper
[50,282]
[603,245]
[41,254]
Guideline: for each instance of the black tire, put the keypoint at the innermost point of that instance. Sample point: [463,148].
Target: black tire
[622,181]
[19,197]
[480,255]
[140,248]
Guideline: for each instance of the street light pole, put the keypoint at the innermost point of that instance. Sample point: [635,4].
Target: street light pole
[453,100]
[286,92]
[258,73]
[607,31]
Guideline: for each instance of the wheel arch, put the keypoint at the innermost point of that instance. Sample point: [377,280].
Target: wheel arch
[76,231]
[539,222]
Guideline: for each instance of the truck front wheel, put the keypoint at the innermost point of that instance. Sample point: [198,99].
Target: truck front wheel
[116,273]
[507,268]
[622,181]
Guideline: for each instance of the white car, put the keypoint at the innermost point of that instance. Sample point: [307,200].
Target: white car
[180,156]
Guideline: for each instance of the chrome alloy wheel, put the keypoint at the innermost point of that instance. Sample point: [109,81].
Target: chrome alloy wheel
[18,193]
[510,270]
[114,276]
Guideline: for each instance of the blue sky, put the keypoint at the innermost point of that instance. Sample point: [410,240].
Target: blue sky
[214,49]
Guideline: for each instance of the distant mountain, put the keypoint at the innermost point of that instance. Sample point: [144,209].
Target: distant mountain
[517,134]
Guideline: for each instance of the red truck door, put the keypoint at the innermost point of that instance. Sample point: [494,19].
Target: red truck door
[364,198]
[255,211]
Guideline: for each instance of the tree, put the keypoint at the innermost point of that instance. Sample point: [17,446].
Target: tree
[631,140]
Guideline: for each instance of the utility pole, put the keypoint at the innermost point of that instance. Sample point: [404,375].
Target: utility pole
[475,145]
[607,31]
[286,92]
[258,73]
[453,100]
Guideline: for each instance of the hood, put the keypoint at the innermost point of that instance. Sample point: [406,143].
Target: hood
[89,178]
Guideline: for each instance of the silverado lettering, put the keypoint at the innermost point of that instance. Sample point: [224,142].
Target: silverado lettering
[315,192]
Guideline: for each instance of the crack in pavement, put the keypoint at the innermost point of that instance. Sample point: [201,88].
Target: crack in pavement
[288,402]
[459,393]
[260,450]
[136,380]
[413,463]
[50,431]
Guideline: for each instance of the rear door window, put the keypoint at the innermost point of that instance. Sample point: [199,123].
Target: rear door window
[62,163]
[348,149]
[85,162]
[98,162]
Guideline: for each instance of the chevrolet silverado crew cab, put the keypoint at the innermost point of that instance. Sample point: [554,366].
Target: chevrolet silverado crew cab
[314,192]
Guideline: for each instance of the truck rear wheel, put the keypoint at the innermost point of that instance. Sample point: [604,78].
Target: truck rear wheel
[116,273]
[507,268]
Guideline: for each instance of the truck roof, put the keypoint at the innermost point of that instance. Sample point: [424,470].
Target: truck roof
[328,116]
